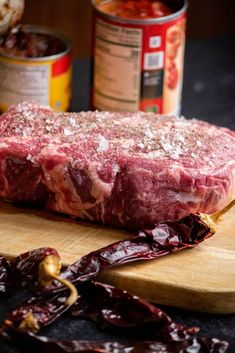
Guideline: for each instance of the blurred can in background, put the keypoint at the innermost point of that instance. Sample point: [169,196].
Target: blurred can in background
[138,55]
[35,65]
[11,12]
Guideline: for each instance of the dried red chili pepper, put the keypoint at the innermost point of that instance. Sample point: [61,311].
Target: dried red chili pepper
[107,306]
[38,312]
[29,342]
[40,267]
[4,274]
[113,308]
[23,271]
[34,269]
[25,267]
[165,238]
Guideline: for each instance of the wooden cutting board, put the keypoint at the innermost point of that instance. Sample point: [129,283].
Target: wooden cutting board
[201,279]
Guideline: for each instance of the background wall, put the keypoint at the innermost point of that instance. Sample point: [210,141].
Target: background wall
[206,18]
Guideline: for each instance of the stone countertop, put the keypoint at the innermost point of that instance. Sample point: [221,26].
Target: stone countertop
[209,94]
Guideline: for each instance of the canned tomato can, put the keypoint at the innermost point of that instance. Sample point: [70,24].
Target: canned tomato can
[138,59]
[45,79]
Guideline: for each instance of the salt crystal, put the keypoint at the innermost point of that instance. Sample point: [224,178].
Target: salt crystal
[93,126]
[180,138]
[27,132]
[155,154]
[68,132]
[174,154]
[73,123]
[149,133]
[103,144]
[141,145]
[116,169]
[167,146]
[29,157]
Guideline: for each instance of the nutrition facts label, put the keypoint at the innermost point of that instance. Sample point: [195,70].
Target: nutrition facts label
[117,71]
[24,82]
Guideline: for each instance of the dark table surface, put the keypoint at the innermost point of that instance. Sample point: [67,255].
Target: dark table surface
[209,94]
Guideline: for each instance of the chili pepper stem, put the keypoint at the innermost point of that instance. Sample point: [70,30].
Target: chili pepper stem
[49,269]
[208,221]
[73,290]
[215,216]
[51,265]
[212,219]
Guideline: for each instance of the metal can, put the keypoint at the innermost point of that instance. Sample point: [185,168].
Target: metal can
[46,79]
[138,63]
[11,12]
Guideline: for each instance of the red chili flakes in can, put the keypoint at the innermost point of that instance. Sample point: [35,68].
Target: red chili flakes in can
[138,55]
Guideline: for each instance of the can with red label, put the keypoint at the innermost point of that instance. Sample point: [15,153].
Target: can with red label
[45,79]
[138,55]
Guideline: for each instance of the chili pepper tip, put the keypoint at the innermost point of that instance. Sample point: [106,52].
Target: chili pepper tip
[8,323]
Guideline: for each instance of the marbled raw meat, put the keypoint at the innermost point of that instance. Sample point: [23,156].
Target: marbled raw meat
[123,169]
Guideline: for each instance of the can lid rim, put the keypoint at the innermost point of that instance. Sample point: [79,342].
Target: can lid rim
[144,21]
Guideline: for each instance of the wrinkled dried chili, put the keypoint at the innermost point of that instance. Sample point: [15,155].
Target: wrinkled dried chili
[29,342]
[4,275]
[37,312]
[108,306]
[113,308]
[165,238]
[23,271]
[25,267]
[33,269]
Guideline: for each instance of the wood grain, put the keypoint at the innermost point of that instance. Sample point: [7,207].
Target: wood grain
[201,279]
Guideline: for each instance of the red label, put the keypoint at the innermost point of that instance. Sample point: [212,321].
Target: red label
[162,61]
[151,105]
[61,65]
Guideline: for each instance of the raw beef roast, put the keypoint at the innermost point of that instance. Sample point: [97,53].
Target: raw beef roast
[128,170]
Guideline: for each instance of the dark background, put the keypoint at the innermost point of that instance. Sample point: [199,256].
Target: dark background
[206,19]
[209,94]
[209,63]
